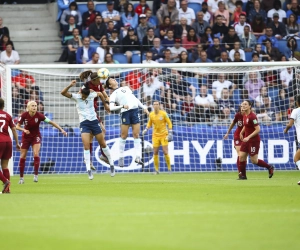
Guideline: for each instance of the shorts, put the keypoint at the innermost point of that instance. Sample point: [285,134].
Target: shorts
[92,127]
[252,148]
[5,150]
[237,142]
[131,116]
[30,141]
[157,141]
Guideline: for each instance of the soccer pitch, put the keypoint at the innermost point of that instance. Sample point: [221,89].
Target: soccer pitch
[143,211]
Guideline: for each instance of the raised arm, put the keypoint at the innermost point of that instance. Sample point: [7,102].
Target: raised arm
[65,92]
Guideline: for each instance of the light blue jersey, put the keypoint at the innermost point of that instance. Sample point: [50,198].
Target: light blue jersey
[85,108]
[295,115]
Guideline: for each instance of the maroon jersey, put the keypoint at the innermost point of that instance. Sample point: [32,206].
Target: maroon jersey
[238,120]
[5,122]
[31,123]
[250,122]
[96,88]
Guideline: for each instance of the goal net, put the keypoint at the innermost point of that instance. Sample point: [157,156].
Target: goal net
[201,100]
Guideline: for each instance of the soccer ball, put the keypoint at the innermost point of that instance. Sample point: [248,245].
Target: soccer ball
[103,73]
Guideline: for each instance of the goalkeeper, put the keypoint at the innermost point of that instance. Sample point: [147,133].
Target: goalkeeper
[160,136]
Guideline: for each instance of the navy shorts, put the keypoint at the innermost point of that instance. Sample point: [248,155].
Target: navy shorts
[90,127]
[131,116]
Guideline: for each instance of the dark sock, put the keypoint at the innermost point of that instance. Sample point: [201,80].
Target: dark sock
[6,173]
[2,177]
[238,164]
[243,165]
[36,163]
[263,164]
[22,166]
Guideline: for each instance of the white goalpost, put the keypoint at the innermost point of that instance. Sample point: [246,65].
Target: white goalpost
[200,98]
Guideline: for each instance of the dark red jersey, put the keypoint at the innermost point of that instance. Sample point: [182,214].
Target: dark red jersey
[31,123]
[250,122]
[238,120]
[96,88]
[5,122]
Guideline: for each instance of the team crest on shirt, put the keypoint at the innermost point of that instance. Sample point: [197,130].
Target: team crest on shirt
[247,120]
[36,120]
[160,118]
[124,119]
[237,142]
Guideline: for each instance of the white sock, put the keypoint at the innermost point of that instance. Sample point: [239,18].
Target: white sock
[87,158]
[107,153]
[122,147]
[298,164]
[137,147]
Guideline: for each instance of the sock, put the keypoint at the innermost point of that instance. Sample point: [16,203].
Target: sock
[121,147]
[137,147]
[107,154]
[36,164]
[103,153]
[87,158]
[243,165]
[298,164]
[238,164]
[6,173]
[263,164]
[2,177]
[168,161]
[22,166]
[91,151]
[156,162]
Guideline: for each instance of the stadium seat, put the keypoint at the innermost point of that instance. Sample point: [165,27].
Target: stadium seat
[136,58]
[112,120]
[236,96]
[282,45]
[85,33]
[195,6]
[156,95]
[82,8]
[194,82]
[121,58]
[100,7]
[156,20]
[135,5]
[273,93]
[244,6]
[94,45]
[190,57]
[248,56]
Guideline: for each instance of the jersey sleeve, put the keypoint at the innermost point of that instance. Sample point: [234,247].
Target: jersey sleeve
[294,114]
[253,119]
[170,126]
[21,119]
[42,117]
[10,122]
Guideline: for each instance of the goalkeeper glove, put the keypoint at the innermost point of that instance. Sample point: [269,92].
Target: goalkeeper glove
[170,136]
[145,131]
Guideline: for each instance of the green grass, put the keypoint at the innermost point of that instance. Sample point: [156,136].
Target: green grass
[142,211]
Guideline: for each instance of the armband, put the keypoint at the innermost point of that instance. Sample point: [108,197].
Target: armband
[47,120]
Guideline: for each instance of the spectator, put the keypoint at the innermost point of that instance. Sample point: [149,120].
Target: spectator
[97,30]
[103,49]
[239,26]
[255,57]
[73,45]
[221,83]
[34,96]
[237,12]
[219,29]
[200,25]
[110,28]
[223,117]
[207,16]
[237,57]
[249,6]
[292,26]
[177,49]
[186,12]
[279,30]
[157,50]
[267,112]
[23,79]
[9,56]
[269,35]
[221,11]
[286,77]
[84,53]
[258,26]
[62,5]
[108,59]
[248,40]
[168,57]
[95,59]
[291,47]
[187,108]
[130,17]
[295,9]
[224,57]
[253,85]
[207,38]
[263,56]
[182,29]
[259,100]
[151,85]
[169,41]
[203,58]
[196,54]
[89,17]
[16,101]
[214,52]
[212,5]
[120,6]
[148,60]
[3,30]
[237,47]
[267,4]
[257,10]
[150,18]
[183,58]
[115,42]
[274,53]
[169,10]
[143,27]
[142,7]
[165,26]
[191,41]
[277,9]
[5,39]
[204,100]
[71,11]
[25,94]
[110,14]
[133,81]
[230,38]
[224,102]
[282,105]
[131,44]
[68,30]
[148,40]
[288,4]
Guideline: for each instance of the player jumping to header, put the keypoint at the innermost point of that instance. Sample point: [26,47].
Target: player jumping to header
[128,104]
[88,124]
[159,119]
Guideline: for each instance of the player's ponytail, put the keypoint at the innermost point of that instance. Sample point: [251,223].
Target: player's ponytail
[94,76]
[85,75]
